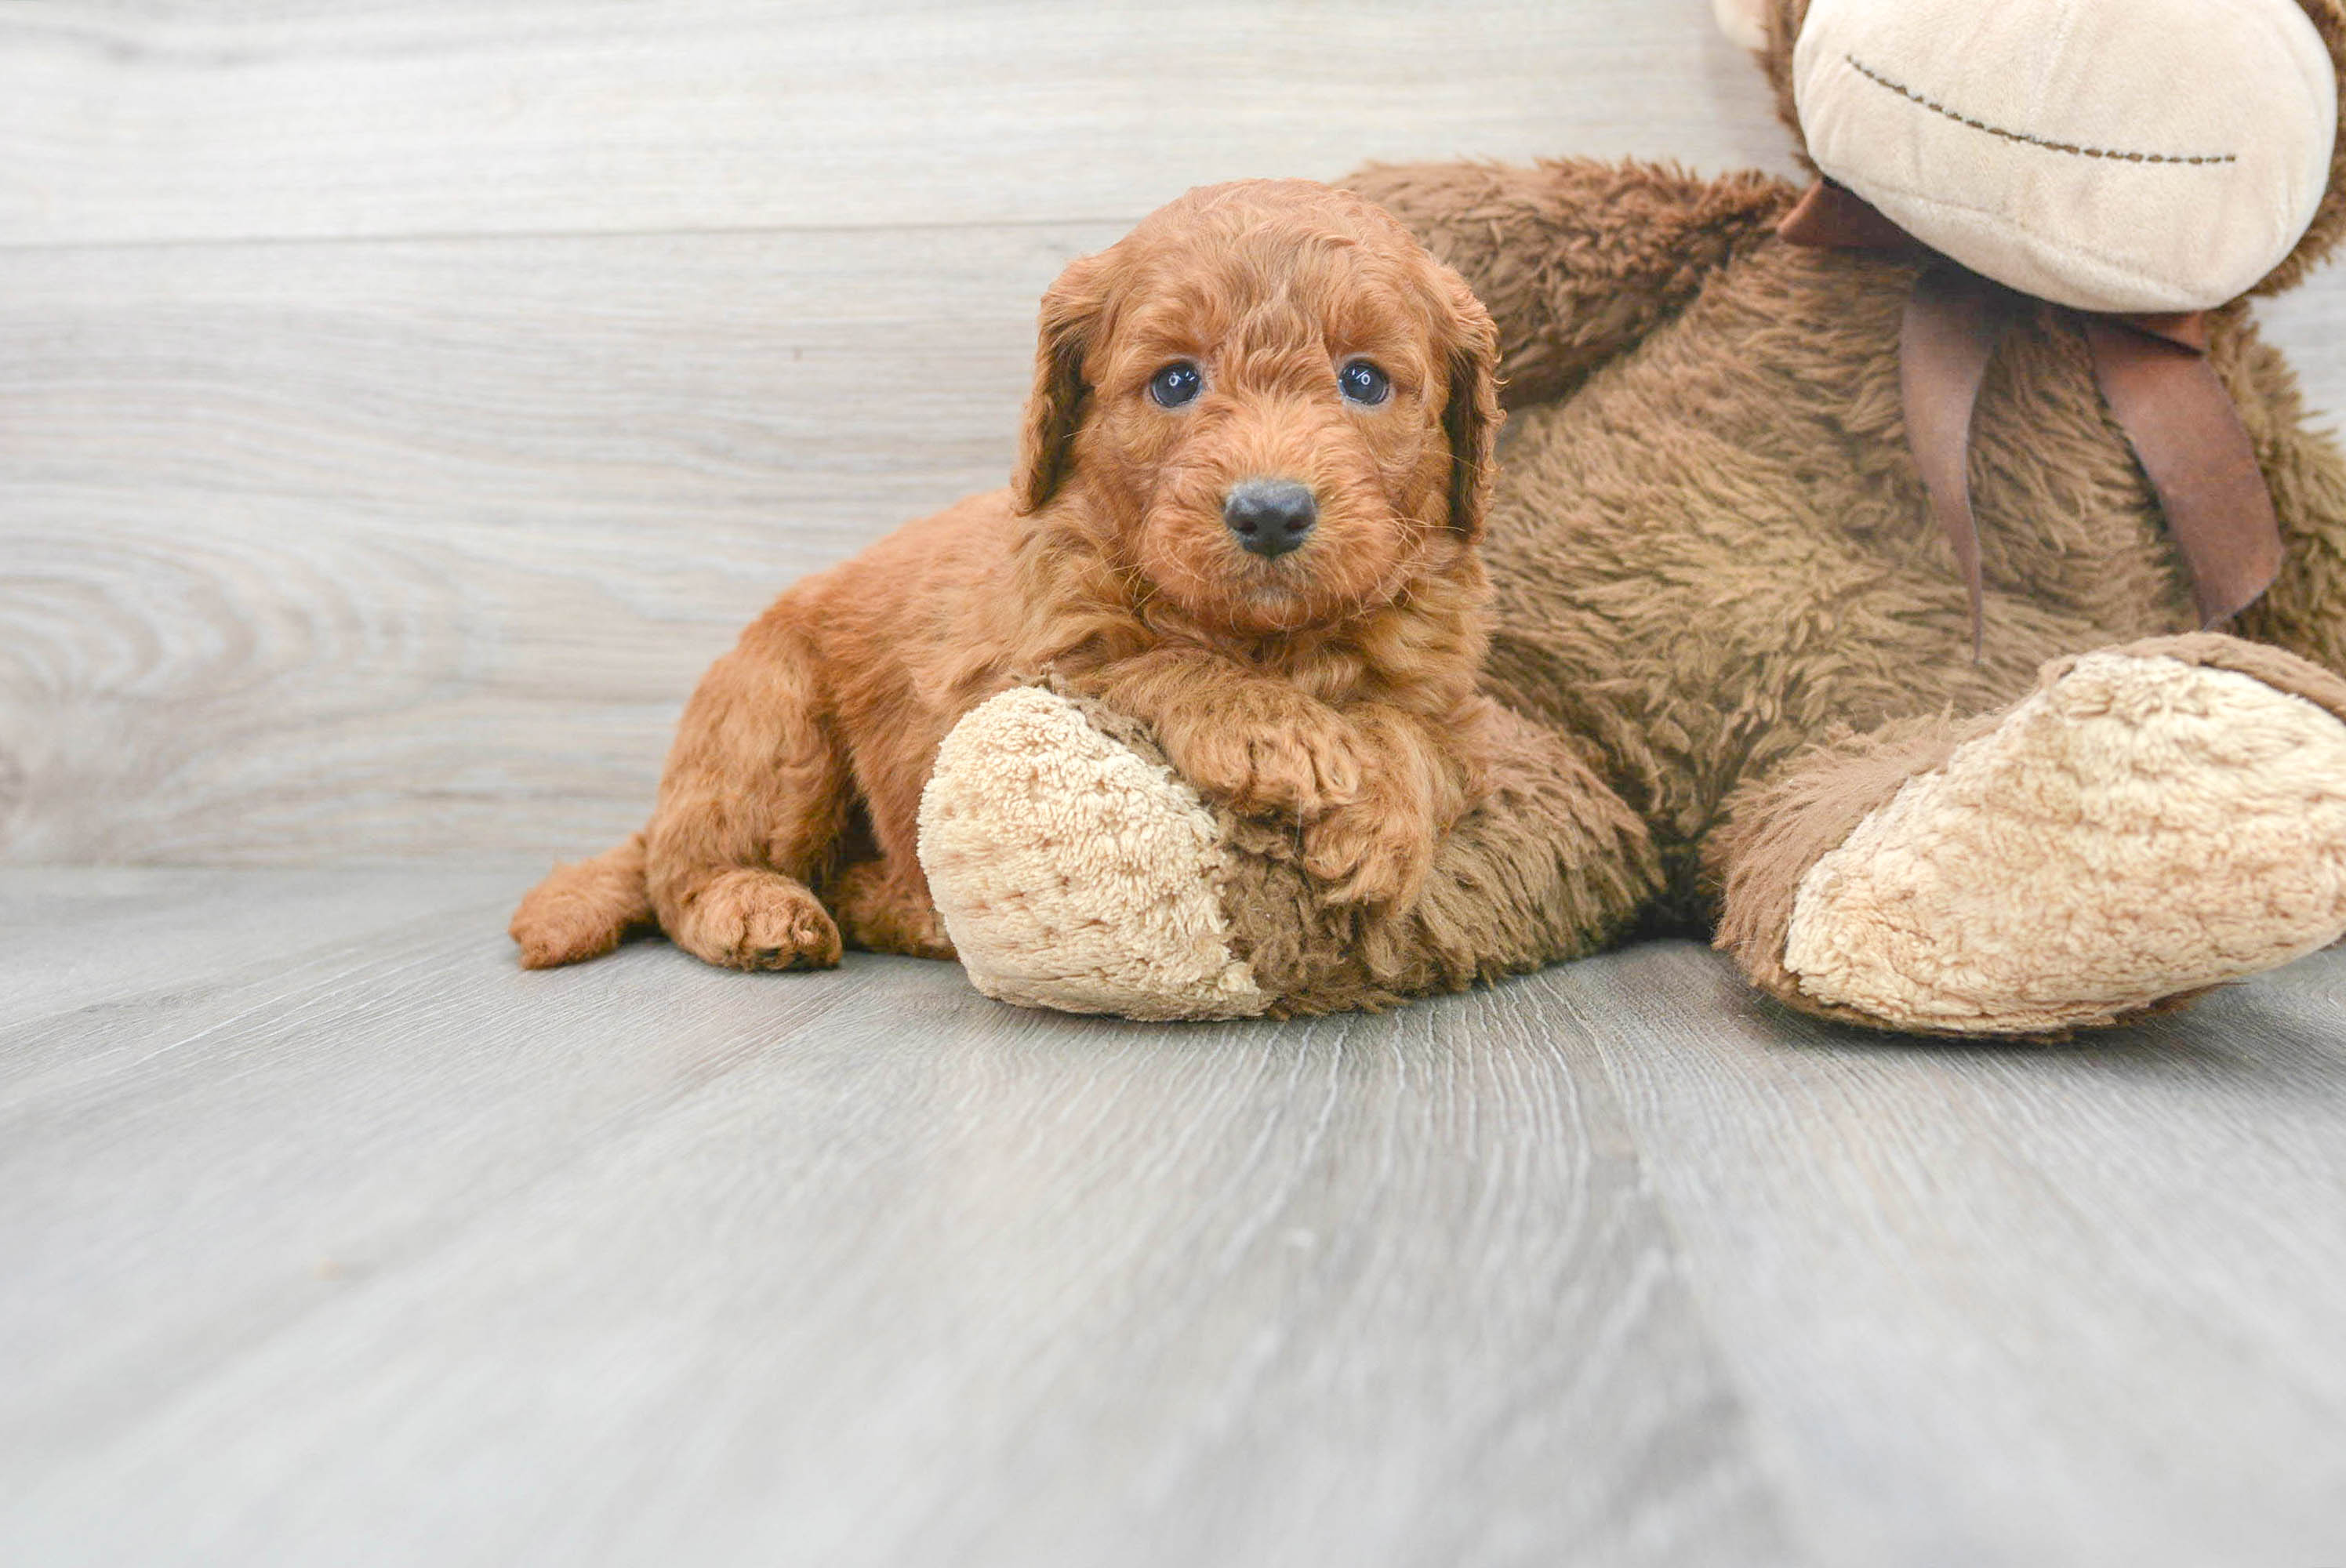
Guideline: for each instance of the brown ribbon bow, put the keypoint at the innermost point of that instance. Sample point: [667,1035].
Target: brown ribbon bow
[2153,370]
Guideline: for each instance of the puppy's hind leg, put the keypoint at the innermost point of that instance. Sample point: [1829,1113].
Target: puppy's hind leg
[581,912]
[881,912]
[750,809]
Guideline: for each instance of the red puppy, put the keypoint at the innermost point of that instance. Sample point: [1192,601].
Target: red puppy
[1253,469]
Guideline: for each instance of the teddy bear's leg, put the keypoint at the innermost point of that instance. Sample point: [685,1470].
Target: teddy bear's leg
[1072,872]
[2153,820]
[1075,870]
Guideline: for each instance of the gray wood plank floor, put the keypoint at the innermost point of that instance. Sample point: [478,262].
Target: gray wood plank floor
[328,1235]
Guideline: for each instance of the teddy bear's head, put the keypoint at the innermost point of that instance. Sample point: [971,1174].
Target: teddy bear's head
[2111,154]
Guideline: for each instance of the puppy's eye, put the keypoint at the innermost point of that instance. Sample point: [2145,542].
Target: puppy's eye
[1175,384]
[1362,383]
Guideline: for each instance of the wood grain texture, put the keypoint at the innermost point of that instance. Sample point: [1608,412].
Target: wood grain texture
[322,552]
[319,545]
[376,1249]
[327,118]
[332,1236]
[2077,1305]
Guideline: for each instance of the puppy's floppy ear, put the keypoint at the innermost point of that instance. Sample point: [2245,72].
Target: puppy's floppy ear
[1472,417]
[1072,313]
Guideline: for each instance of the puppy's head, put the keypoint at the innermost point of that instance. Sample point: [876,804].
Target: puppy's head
[1268,403]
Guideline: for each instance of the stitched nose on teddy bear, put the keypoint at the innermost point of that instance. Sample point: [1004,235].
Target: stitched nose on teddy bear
[1270,516]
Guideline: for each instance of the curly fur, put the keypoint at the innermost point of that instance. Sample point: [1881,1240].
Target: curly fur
[1331,689]
[1713,563]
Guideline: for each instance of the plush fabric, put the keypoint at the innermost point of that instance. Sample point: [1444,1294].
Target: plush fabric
[1078,872]
[2061,146]
[1085,873]
[2139,826]
[1718,585]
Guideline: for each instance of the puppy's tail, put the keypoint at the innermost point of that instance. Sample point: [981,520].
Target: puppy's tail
[581,911]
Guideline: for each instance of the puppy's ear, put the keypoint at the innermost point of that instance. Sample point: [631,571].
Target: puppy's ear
[1071,317]
[1472,417]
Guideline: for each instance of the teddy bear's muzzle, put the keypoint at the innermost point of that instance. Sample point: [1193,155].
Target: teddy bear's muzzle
[2108,155]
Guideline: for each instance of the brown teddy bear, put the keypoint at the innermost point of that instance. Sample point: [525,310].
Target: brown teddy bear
[1866,545]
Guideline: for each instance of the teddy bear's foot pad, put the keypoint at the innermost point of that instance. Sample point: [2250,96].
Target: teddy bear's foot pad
[2140,829]
[1073,873]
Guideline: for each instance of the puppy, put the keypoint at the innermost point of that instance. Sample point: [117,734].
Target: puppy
[1251,476]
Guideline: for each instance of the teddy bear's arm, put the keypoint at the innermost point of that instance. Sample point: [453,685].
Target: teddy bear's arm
[2305,610]
[1076,870]
[1575,259]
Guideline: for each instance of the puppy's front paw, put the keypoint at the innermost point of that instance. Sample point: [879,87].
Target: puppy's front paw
[757,920]
[1301,762]
[1370,853]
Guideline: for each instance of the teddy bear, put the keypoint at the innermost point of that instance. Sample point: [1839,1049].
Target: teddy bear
[1925,582]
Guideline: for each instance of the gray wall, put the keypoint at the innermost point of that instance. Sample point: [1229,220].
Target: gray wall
[402,402]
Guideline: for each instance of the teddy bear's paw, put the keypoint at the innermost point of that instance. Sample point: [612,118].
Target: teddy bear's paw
[1073,874]
[2140,829]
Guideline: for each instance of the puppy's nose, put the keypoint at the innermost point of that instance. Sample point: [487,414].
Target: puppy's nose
[1270,516]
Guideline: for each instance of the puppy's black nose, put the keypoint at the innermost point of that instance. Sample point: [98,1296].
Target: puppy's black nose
[1270,516]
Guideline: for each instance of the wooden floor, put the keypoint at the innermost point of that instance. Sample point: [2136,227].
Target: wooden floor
[327,1236]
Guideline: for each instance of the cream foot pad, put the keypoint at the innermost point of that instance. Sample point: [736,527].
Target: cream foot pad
[2139,828]
[1073,874]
